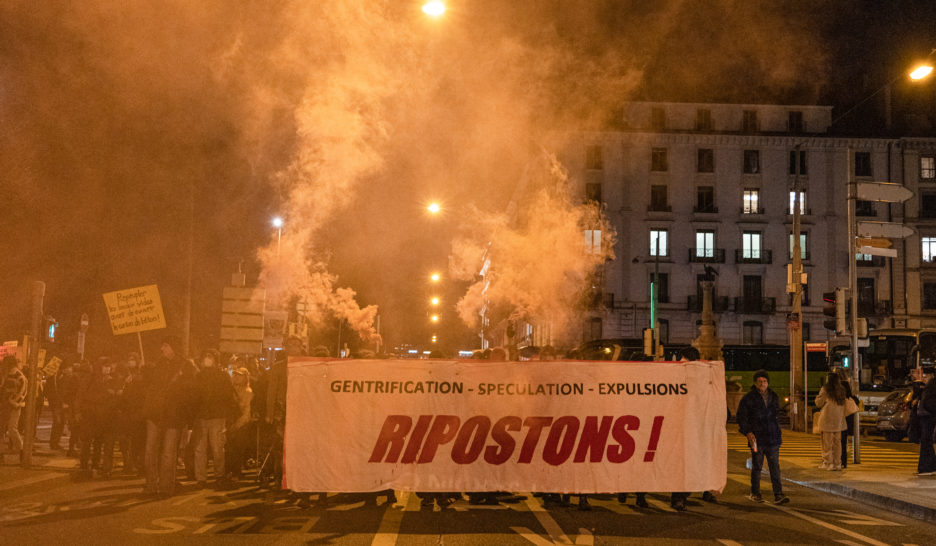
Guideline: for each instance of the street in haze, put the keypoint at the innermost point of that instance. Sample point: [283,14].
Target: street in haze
[43,506]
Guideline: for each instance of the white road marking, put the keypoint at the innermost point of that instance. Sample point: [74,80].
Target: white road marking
[728,542]
[660,504]
[797,513]
[549,524]
[389,528]
[29,481]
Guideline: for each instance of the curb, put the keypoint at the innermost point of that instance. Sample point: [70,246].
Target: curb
[902,507]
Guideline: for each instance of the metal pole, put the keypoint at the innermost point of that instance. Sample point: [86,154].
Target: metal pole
[187,314]
[656,301]
[796,332]
[32,373]
[852,289]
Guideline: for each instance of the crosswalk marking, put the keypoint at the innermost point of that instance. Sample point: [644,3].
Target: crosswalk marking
[809,448]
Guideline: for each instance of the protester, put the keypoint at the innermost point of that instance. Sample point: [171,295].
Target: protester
[163,422]
[926,413]
[81,371]
[93,413]
[641,499]
[12,402]
[55,386]
[216,402]
[759,420]
[831,421]
[132,422]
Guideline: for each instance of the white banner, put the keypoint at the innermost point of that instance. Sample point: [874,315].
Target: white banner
[474,425]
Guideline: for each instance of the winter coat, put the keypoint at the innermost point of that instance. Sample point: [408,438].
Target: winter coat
[13,390]
[156,401]
[215,394]
[244,398]
[760,418]
[832,416]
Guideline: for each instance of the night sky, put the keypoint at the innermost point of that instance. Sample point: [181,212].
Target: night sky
[348,119]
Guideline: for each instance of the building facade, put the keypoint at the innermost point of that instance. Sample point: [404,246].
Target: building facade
[696,186]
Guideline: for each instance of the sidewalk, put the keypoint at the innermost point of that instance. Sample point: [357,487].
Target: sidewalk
[885,478]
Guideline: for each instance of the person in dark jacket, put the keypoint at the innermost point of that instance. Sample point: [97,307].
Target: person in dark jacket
[216,403]
[759,421]
[163,421]
[849,420]
[926,413]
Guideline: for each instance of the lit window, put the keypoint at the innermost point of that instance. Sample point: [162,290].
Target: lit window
[751,245]
[929,249]
[593,241]
[705,244]
[658,241]
[751,201]
[802,243]
[802,202]
[928,167]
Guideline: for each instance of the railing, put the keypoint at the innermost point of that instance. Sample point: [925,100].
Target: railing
[752,212]
[717,257]
[763,257]
[755,306]
[706,210]
[720,304]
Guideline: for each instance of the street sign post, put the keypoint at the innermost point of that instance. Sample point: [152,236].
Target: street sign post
[886,192]
[890,230]
[242,320]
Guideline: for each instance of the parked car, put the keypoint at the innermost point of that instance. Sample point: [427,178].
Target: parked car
[893,414]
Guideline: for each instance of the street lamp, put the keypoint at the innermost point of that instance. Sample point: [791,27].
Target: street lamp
[435,277]
[434,208]
[434,8]
[921,72]
[434,301]
[278,224]
[434,318]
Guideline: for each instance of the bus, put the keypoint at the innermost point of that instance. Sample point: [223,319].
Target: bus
[741,361]
[896,357]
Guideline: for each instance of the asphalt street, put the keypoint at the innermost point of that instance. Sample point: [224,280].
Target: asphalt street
[51,507]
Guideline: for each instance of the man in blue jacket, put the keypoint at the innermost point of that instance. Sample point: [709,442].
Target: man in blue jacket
[759,420]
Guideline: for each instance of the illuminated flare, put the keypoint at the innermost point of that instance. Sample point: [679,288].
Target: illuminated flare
[434,208]
[921,72]
[433,9]
[435,277]
[434,318]
[277,222]
[434,301]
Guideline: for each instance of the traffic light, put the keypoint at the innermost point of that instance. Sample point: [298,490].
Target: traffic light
[834,307]
[51,326]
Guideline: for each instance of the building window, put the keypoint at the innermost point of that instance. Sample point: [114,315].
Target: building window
[804,253]
[802,162]
[751,161]
[658,161]
[802,202]
[593,158]
[658,242]
[864,208]
[751,245]
[706,162]
[593,328]
[752,333]
[928,167]
[749,121]
[862,163]
[929,249]
[705,199]
[593,192]
[593,241]
[927,204]
[795,122]
[703,119]
[658,198]
[664,330]
[751,201]
[662,288]
[929,295]
[657,118]
[705,243]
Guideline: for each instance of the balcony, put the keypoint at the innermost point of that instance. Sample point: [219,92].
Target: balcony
[720,304]
[747,211]
[762,257]
[717,255]
[755,306]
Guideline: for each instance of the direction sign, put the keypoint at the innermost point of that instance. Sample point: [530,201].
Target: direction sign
[876,242]
[887,192]
[242,320]
[890,230]
[877,251]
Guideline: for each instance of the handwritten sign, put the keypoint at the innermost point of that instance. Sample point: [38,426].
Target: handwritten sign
[52,367]
[135,310]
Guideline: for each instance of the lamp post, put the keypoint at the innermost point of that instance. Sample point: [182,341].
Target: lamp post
[278,224]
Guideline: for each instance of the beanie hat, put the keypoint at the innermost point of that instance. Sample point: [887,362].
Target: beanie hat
[761,373]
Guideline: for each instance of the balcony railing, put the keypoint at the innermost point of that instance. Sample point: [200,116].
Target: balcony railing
[720,304]
[706,210]
[755,306]
[762,257]
[717,255]
[752,211]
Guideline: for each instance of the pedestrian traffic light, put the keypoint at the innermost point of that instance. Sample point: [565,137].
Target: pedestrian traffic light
[51,326]
[834,306]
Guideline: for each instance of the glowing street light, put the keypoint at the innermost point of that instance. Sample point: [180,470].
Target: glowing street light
[434,301]
[435,277]
[434,318]
[921,72]
[434,208]
[434,8]
[278,224]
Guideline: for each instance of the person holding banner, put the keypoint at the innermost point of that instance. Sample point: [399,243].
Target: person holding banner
[759,421]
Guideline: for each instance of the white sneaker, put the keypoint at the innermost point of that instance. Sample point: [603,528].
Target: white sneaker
[933,473]
[823,466]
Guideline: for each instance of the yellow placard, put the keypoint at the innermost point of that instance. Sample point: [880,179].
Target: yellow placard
[135,310]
